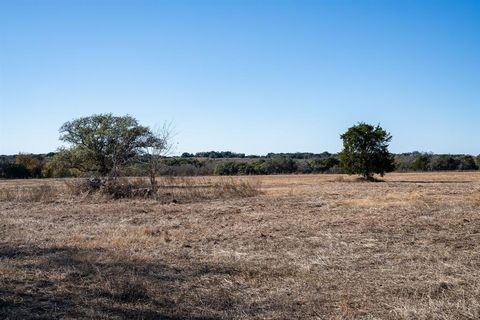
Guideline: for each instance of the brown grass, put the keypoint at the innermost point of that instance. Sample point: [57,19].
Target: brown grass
[305,247]
[170,189]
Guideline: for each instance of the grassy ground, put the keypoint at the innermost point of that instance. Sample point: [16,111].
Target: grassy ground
[305,247]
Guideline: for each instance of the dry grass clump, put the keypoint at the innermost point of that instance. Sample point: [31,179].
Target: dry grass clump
[187,189]
[170,189]
[39,193]
[237,188]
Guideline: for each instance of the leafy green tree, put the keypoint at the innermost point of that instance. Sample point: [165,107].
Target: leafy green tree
[105,143]
[365,151]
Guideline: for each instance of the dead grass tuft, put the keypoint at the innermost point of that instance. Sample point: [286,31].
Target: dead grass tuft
[230,187]
[170,189]
[38,193]
[189,189]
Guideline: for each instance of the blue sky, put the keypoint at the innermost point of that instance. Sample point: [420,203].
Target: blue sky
[248,76]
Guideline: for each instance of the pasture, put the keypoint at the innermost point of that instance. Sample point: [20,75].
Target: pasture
[270,247]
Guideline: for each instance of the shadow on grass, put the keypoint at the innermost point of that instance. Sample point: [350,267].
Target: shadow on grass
[64,282]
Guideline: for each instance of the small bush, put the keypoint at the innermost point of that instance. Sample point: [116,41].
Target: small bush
[123,188]
[237,188]
[81,186]
[120,188]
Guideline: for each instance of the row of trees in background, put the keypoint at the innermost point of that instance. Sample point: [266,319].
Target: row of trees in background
[214,155]
[417,161]
[230,155]
[109,146]
[24,166]
[55,165]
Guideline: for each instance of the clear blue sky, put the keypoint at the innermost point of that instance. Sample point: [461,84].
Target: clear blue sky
[248,76]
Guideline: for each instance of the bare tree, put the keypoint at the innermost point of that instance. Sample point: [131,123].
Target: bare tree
[160,145]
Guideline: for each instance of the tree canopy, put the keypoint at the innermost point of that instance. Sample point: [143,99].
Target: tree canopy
[365,151]
[104,142]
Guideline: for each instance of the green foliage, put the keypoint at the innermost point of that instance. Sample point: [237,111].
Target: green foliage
[31,163]
[175,161]
[67,163]
[421,163]
[444,162]
[467,163]
[21,166]
[416,161]
[449,162]
[76,161]
[187,155]
[226,168]
[365,151]
[105,143]
[299,155]
[216,154]
[277,165]
[323,165]
[9,170]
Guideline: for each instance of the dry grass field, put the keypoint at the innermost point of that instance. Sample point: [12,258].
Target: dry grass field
[302,247]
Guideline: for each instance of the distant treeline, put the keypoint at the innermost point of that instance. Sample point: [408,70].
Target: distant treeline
[231,163]
[417,161]
[229,154]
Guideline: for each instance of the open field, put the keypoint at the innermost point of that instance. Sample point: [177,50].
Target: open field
[305,247]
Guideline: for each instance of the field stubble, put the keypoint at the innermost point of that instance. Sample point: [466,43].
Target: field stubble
[301,247]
